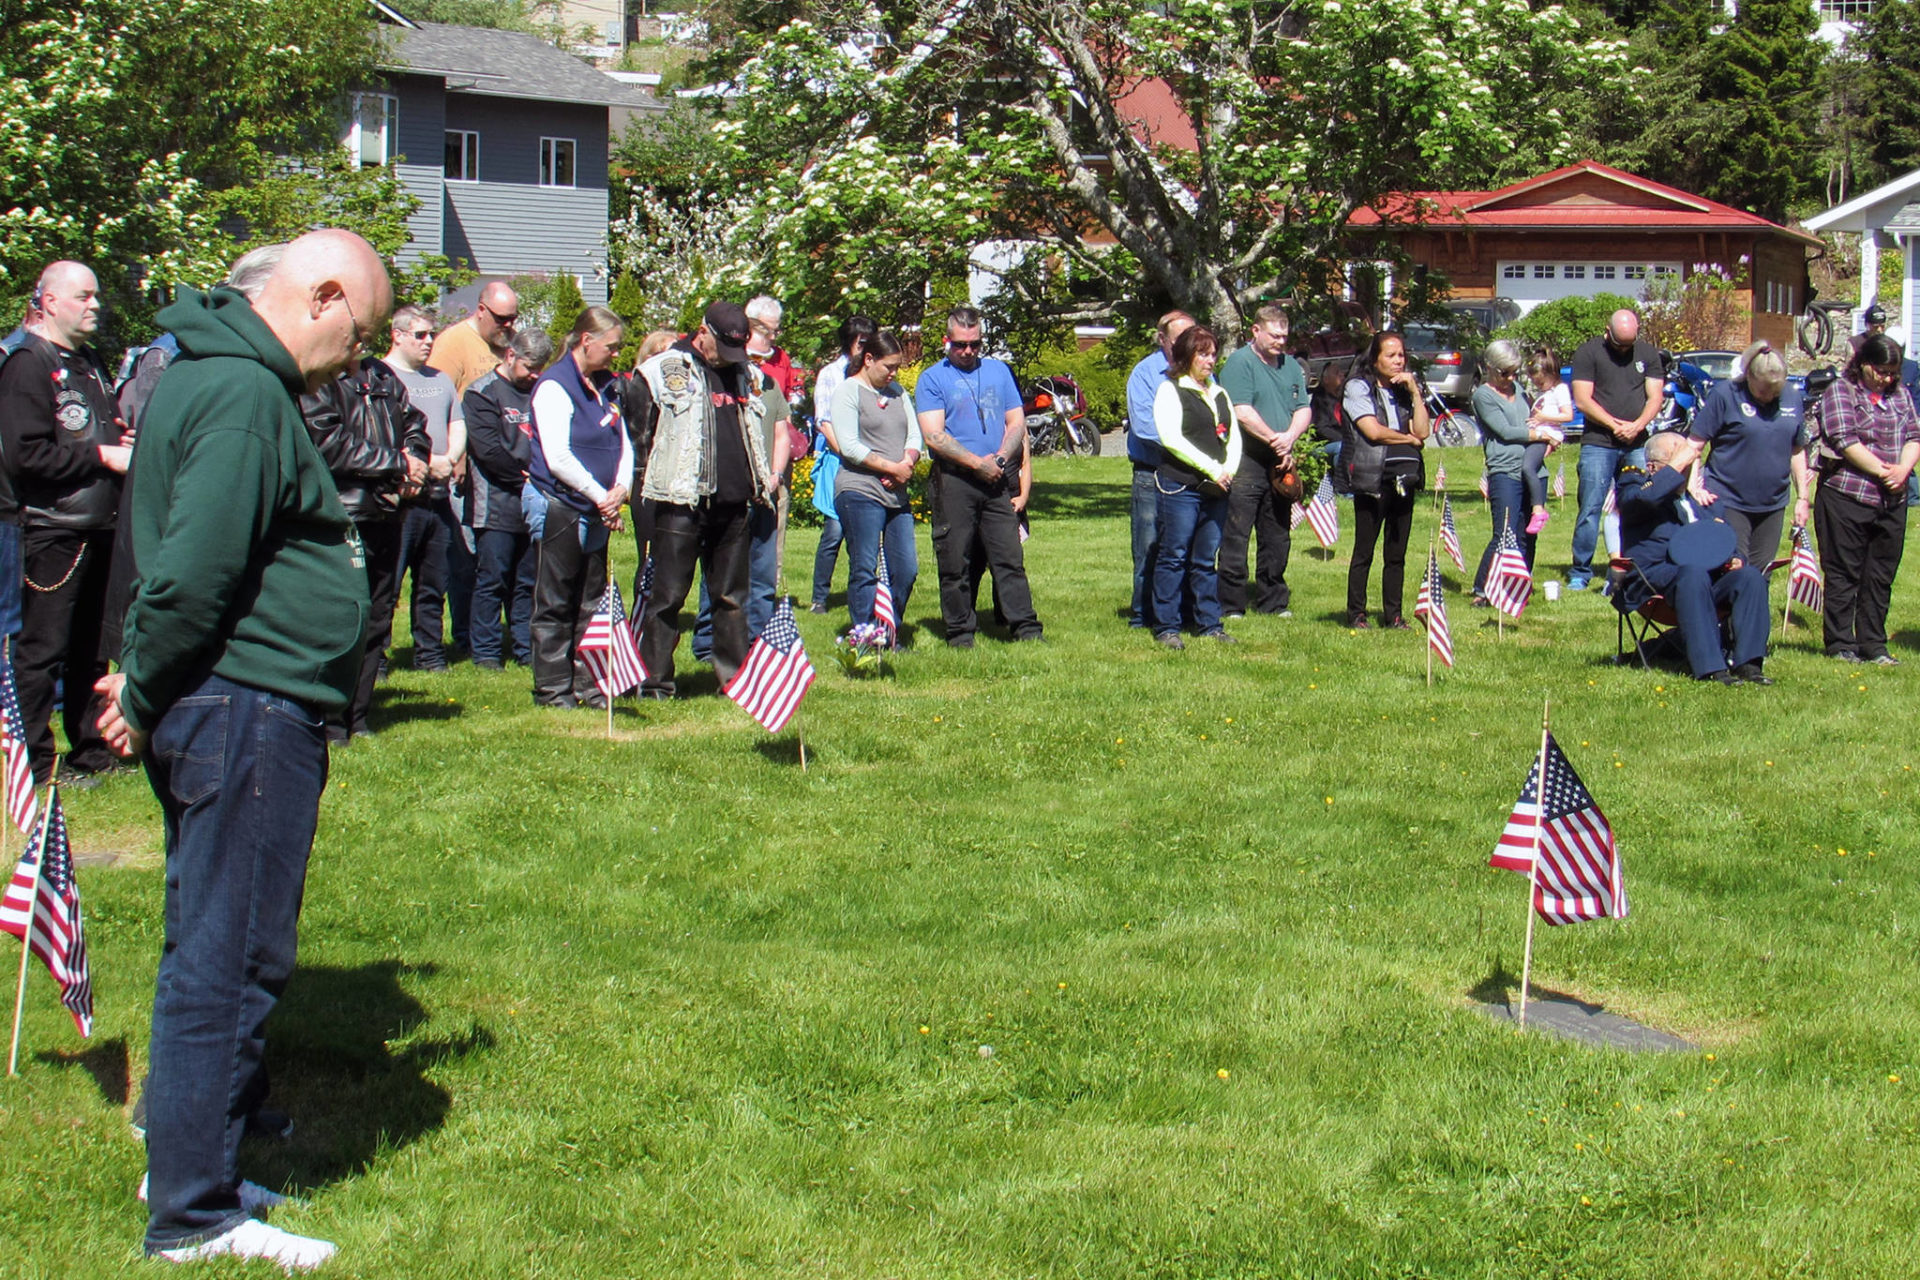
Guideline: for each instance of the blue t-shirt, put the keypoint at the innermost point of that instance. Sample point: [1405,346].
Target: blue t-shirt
[975,402]
[1749,466]
[1143,384]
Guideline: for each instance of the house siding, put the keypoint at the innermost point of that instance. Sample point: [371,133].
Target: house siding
[510,131]
[506,229]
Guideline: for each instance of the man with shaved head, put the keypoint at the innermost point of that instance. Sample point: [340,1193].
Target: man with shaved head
[64,459]
[1618,383]
[243,635]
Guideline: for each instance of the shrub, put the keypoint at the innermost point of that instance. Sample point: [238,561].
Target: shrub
[1700,313]
[1564,323]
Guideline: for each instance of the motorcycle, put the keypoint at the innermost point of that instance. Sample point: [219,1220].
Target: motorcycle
[1057,418]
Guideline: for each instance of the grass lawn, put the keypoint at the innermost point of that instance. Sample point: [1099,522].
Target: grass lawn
[1085,959]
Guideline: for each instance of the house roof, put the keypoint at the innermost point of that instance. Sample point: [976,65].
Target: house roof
[1852,215]
[506,64]
[1588,196]
[1906,220]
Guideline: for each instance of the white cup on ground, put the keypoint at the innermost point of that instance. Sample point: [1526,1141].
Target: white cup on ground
[1553,591]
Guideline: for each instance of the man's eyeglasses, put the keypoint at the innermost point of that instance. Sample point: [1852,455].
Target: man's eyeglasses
[958,345]
[418,335]
[359,337]
[505,322]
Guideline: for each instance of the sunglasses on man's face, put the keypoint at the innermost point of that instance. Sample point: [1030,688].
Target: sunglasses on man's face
[507,320]
[418,335]
[958,345]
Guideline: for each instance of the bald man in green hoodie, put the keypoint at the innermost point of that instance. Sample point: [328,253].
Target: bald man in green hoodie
[244,630]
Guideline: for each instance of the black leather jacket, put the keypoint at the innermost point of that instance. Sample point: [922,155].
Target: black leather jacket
[56,410]
[364,426]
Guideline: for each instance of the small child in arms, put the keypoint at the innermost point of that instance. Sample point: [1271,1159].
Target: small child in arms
[1547,429]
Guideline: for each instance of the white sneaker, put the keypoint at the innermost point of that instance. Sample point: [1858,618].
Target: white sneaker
[255,1239]
[254,1198]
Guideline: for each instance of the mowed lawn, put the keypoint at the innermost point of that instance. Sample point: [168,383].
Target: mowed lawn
[1077,960]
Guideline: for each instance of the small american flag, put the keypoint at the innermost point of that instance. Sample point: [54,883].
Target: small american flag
[43,898]
[1485,492]
[1579,875]
[776,674]
[1804,584]
[1440,476]
[1430,606]
[1323,513]
[1560,481]
[883,611]
[608,649]
[1450,534]
[1611,503]
[642,595]
[1509,580]
[22,804]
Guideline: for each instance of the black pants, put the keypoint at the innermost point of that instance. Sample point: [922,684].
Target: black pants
[1860,550]
[970,518]
[568,582]
[67,573]
[381,541]
[423,549]
[1253,508]
[713,537]
[1392,512]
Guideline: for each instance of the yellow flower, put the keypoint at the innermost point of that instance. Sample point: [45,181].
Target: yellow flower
[1223,1073]
[926,1031]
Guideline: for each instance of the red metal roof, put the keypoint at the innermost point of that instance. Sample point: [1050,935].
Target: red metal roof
[1588,196]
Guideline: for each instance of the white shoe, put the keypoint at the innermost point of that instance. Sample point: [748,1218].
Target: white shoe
[254,1198]
[255,1239]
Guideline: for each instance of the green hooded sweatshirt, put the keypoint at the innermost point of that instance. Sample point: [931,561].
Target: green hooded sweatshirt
[246,565]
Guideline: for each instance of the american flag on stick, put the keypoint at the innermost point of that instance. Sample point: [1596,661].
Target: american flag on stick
[1440,476]
[1560,481]
[1485,490]
[776,674]
[883,610]
[608,649]
[1323,513]
[1509,580]
[642,596]
[22,804]
[1450,534]
[1804,583]
[1611,503]
[42,906]
[1430,606]
[1579,876]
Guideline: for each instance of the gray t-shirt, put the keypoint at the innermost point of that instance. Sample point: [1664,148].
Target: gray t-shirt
[432,394]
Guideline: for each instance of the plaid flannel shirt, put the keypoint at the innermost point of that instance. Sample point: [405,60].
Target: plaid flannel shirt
[1849,416]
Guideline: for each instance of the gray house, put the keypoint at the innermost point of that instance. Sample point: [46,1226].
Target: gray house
[504,139]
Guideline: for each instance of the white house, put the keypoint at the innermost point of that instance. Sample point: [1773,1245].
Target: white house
[1885,218]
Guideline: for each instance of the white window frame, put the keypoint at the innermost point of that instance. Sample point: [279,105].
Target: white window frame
[1514,271]
[1546,271]
[1605,271]
[469,155]
[389,128]
[549,162]
[1574,271]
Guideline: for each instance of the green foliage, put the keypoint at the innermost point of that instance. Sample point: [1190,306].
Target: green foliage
[1101,370]
[1699,313]
[567,304]
[1888,48]
[1564,323]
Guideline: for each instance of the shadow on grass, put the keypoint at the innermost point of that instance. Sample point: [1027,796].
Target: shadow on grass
[785,749]
[398,706]
[1498,987]
[106,1062]
[336,1069]
[1096,500]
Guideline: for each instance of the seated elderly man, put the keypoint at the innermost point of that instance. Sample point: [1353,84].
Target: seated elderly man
[1684,554]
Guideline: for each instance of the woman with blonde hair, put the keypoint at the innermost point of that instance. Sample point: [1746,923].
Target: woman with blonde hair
[1753,429]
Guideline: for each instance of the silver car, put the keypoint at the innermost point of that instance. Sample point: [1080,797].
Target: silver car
[1448,356]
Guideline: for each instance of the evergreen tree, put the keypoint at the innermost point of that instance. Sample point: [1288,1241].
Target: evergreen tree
[1889,46]
[1765,76]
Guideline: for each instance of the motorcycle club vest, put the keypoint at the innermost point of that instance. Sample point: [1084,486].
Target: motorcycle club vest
[595,435]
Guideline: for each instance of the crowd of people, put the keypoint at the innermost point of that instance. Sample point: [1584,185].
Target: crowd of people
[231,522]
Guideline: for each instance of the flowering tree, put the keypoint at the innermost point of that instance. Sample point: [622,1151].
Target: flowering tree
[1200,153]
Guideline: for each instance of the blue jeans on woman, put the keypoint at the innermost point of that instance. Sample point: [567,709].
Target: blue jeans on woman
[1507,502]
[1189,525]
[868,525]
[1599,464]
[831,536]
[238,773]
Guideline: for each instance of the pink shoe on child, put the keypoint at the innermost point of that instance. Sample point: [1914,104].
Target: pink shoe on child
[1538,523]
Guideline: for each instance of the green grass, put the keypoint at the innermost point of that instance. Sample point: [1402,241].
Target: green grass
[667,1006]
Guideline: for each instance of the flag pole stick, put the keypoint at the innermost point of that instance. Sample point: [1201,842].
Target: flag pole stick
[26,936]
[800,730]
[609,719]
[1533,874]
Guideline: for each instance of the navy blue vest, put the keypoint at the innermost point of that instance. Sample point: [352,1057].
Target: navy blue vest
[595,437]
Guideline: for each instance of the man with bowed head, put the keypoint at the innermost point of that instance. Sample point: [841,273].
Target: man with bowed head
[242,636]
[1143,452]
[1619,384]
[469,350]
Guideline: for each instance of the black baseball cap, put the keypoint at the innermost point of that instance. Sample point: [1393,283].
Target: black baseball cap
[727,322]
[1876,314]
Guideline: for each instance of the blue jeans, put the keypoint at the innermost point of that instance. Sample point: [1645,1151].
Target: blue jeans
[1146,501]
[831,536]
[868,525]
[763,579]
[1190,526]
[1508,502]
[1599,464]
[504,579]
[238,773]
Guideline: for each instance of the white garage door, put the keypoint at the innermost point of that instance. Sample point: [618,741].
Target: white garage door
[1534,282]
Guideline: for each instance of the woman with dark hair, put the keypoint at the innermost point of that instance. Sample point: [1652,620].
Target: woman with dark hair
[1200,450]
[877,437]
[1387,429]
[854,331]
[582,465]
[1867,444]
[1753,428]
